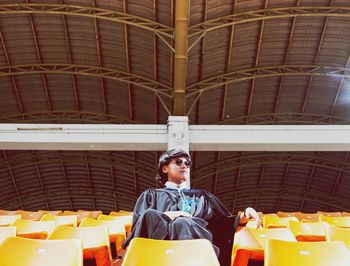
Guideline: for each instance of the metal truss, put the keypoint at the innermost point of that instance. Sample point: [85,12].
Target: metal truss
[94,71]
[198,31]
[164,32]
[259,158]
[286,119]
[198,88]
[66,117]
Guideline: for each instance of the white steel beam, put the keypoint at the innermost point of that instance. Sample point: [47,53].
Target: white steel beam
[177,134]
[270,138]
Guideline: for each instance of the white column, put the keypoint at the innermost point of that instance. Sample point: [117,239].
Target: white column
[178,135]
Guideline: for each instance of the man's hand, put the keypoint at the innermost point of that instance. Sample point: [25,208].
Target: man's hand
[174,214]
[250,213]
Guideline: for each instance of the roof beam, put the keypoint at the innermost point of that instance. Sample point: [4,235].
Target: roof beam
[14,84]
[285,118]
[164,32]
[38,53]
[264,72]
[93,71]
[198,31]
[41,183]
[180,56]
[70,59]
[66,182]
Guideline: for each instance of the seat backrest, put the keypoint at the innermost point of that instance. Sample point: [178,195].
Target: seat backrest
[286,214]
[28,215]
[5,212]
[16,251]
[147,252]
[127,219]
[56,213]
[335,233]
[286,253]
[81,215]
[61,220]
[32,227]
[6,232]
[330,214]
[114,226]
[94,214]
[314,228]
[277,222]
[307,216]
[9,219]
[263,234]
[91,237]
[337,221]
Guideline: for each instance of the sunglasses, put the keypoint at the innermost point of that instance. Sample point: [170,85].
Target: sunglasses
[179,162]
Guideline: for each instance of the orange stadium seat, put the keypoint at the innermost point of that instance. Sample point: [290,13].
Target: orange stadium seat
[95,241]
[278,253]
[151,252]
[16,251]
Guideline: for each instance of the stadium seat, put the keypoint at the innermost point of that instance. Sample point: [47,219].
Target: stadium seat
[71,220]
[249,244]
[308,232]
[284,253]
[335,233]
[126,219]
[6,220]
[94,214]
[277,222]
[95,241]
[150,252]
[337,221]
[34,229]
[17,251]
[330,214]
[81,215]
[308,217]
[6,232]
[286,214]
[28,215]
[116,230]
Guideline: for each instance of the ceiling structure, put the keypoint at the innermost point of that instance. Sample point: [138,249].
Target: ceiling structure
[268,62]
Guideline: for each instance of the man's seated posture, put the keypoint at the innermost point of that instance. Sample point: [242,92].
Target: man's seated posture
[177,213]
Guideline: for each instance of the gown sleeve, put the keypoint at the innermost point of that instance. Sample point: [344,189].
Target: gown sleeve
[145,201]
[223,226]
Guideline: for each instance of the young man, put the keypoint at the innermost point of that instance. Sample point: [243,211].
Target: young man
[177,213]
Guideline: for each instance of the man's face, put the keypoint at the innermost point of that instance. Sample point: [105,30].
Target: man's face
[178,170]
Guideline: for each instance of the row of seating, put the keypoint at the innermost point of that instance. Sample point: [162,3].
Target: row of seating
[96,243]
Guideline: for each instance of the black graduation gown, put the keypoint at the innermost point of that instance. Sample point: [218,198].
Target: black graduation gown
[209,219]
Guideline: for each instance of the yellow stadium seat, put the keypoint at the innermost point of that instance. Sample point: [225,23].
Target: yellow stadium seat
[5,212]
[335,233]
[33,216]
[34,229]
[126,219]
[337,221]
[56,213]
[249,244]
[150,252]
[94,214]
[345,213]
[284,253]
[308,232]
[277,222]
[6,220]
[16,251]
[81,215]
[71,220]
[306,217]
[116,230]
[6,232]
[330,214]
[286,214]
[95,241]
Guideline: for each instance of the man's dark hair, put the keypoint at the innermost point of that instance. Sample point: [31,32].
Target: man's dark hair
[165,159]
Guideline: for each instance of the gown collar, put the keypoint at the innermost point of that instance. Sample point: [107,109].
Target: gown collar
[172,185]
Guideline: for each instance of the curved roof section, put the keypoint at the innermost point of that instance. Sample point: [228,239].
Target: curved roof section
[247,62]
